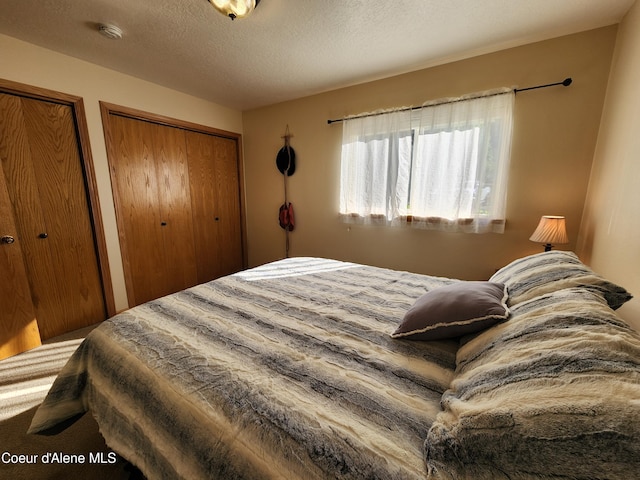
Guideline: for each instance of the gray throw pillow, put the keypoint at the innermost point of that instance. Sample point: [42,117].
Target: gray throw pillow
[454,310]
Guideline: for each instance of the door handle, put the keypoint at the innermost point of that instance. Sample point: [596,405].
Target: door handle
[8,239]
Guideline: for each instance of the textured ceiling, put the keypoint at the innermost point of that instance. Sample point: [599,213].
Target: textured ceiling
[291,48]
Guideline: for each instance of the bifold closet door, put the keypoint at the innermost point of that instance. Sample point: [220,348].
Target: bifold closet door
[178,204]
[150,174]
[45,185]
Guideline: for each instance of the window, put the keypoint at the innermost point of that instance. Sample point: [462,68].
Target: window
[443,166]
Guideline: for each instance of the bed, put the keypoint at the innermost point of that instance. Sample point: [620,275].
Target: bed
[317,368]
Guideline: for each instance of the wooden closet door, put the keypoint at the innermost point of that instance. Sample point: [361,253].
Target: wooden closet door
[18,325]
[45,183]
[172,172]
[215,200]
[150,176]
[178,197]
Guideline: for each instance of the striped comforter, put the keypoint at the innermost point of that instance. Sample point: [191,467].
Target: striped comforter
[282,371]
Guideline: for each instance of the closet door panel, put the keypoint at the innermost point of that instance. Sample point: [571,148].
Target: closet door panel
[67,231]
[18,325]
[202,181]
[172,173]
[212,161]
[229,231]
[23,192]
[134,177]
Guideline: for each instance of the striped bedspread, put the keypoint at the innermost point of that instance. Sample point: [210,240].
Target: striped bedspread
[282,371]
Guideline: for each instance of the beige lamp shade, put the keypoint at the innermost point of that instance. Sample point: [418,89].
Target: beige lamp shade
[551,230]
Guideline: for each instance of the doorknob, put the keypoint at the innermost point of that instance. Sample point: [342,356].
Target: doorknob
[8,239]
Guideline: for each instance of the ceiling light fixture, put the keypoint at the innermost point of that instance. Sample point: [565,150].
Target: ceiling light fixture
[235,8]
[110,31]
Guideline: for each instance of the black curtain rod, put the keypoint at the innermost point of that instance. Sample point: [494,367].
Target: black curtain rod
[566,82]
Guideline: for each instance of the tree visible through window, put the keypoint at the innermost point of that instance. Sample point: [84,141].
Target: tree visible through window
[443,166]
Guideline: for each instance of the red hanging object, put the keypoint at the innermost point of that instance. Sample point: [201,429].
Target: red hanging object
[286,216]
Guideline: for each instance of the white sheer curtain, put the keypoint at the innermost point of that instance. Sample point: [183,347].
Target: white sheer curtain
[443,166]
[375,168]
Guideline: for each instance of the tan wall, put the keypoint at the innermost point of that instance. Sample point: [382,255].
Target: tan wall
[553,145]
[610,233]
[26,63]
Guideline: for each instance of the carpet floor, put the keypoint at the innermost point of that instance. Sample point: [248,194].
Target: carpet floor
[79,452]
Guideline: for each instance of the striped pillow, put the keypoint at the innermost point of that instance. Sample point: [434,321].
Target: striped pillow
[546,272]
[551,393]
